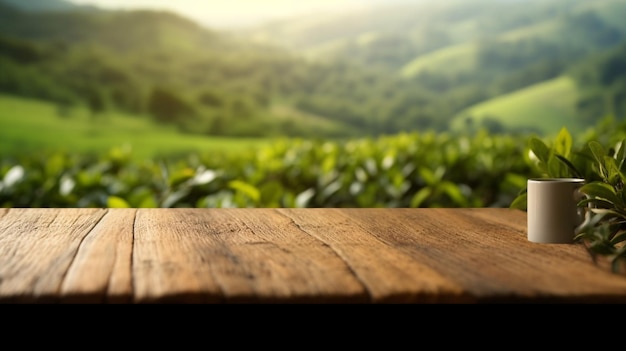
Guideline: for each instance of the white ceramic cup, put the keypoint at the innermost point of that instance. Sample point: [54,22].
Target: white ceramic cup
[552,210]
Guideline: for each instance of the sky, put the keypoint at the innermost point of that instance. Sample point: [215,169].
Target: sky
[232,13]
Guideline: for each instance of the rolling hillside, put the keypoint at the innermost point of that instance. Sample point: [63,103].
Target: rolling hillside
[36,127]
[475,54]
[575,100]
[451,60]
[543,108]
[386,70]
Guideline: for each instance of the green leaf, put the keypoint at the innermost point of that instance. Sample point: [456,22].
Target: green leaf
[618,238]
[302,200]
[181,176]
[148,202]
[117,202]
[328,164]
[271,193]
[420,197]
[540,149]
[55,164]
[620,154]
[13,176]
[453,191]
[598,203]
[516,180]
[612,173]
[249,190]
[603,191]
[570,166]
[598,152]
[563,144]
[607,213]
[520,202]
[556,169]
[428,176]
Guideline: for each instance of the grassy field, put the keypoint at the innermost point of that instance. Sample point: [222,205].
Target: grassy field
[28,125]
[452,59]
[547,106]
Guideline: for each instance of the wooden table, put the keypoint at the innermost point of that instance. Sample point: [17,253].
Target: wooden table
[281,255]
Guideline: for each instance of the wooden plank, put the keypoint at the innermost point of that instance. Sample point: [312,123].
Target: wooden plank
[171,261]
[290,255]
[37,246]
[235,255]
[102,269]
[488,254]
[363,238]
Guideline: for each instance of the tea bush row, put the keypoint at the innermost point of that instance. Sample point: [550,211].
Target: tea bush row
[405,170]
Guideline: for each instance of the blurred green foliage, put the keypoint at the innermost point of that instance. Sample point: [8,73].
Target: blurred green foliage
[405,170]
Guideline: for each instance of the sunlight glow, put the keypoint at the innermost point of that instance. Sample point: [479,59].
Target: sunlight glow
[230,12]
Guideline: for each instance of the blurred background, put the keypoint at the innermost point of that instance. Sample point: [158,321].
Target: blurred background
[297,103]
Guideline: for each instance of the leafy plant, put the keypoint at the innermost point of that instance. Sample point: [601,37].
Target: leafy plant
[392,171]
[604,170]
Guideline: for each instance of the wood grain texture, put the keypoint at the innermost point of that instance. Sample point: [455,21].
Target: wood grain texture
[37,248]
[283,255]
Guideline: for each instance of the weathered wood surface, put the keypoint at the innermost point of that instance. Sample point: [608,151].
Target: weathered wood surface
[290,256]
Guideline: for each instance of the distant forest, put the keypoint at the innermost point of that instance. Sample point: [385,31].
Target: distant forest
[204,81]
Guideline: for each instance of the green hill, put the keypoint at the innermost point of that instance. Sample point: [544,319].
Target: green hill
[468,52]
[202,81]
[451,60]
[387,70]
[45,5]
[544,108]
[32,126]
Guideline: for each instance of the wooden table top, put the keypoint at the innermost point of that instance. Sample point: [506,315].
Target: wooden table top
[281,255]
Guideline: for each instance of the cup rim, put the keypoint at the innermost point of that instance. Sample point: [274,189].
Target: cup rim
[557,180]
